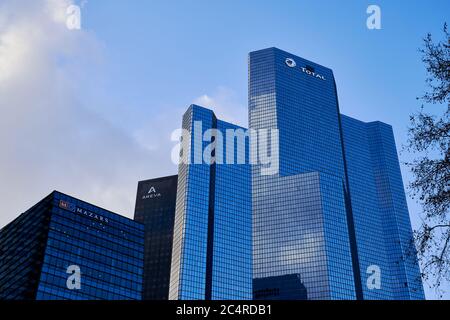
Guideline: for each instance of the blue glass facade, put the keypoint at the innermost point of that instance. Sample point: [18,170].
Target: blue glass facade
[365,210]
[299,215]
[107,249]
[337,205]
[212,247]
[22,247]
[401,253]
[380,210]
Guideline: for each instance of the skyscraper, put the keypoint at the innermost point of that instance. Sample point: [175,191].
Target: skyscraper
[380,210]
[155,208]
[335,214]
[66,249]
[212,246]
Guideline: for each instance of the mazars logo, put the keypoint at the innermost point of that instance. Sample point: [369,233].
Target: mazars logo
[151,194]
[72,208]
[308,70]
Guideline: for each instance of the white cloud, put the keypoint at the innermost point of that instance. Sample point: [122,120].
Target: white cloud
[226,106]
[49,138]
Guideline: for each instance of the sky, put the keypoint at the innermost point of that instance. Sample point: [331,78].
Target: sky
[90,112]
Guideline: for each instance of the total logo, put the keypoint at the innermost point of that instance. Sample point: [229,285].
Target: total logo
[151,194]
[308,70]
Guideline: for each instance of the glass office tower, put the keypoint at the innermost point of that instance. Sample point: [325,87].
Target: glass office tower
[155,208]
[212,246]
[336,208]
[39,250]
[379,205]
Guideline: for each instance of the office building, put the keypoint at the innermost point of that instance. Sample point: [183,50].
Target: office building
[66,249]
[380,211]
[155,208]
[212,246]
[335,213]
